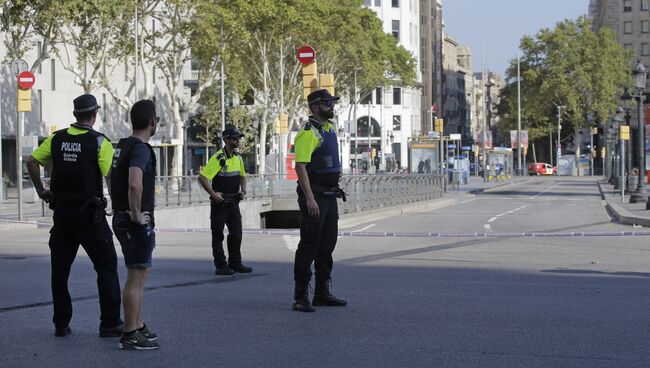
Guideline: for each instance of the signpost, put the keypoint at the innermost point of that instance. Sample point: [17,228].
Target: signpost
[25,81]
[306,55]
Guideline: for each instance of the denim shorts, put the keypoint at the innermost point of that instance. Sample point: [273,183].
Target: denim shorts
[138,241]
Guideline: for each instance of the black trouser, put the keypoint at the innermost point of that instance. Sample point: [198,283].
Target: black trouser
[226,215]
[317,239]
[71,229]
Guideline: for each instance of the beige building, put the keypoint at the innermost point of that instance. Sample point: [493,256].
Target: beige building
[458,89]
[630,19]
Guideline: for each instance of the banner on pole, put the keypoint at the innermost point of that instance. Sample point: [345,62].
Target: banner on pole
[524,139]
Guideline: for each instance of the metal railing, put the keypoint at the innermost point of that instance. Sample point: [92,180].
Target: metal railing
[364,192]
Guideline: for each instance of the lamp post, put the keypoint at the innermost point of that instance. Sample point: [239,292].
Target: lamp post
[626,98]
[616,146]
[486,123]
[256,125]
[639,73]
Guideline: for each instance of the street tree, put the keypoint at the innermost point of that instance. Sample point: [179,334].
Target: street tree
[346,35]
[570,66]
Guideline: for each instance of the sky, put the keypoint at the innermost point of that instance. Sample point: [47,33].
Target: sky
[499,24]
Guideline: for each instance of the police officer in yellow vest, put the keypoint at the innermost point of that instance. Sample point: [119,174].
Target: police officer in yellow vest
[319,168]
[226,171]
[80,157]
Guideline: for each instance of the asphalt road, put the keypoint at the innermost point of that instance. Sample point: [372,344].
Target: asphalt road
[413,302]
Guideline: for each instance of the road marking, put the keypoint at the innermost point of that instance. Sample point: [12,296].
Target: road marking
[544,191]
[492,219]
[487,227]
[363,228]
[291,241]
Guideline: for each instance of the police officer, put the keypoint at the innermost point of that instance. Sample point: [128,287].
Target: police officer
[226,171]
[80,157]
[319,168]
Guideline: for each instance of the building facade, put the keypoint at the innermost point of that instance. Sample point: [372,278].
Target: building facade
[630,20]
[458,89]
[388,117]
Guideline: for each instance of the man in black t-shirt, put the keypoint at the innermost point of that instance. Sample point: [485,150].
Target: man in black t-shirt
[133,183]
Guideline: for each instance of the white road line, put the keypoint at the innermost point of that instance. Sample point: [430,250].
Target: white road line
[487,227]
[363,228]
[544,191]
[492,219]
[291,241]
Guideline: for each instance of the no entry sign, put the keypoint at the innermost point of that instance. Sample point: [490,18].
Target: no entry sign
[26,80]
[306,54]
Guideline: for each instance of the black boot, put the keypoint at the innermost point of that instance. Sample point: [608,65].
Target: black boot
[323,296]
[301,297]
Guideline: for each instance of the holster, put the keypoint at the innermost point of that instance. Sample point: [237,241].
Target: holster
[232,198]
[94,209]
[329,192]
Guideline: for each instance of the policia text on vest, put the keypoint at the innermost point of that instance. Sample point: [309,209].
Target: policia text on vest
[80,157]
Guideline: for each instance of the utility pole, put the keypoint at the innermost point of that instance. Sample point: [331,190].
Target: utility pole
[519,145]
[135,66]
[356,126]
[559,129]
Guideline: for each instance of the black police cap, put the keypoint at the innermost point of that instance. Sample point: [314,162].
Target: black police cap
[321,95]
[85,103]
[231,132]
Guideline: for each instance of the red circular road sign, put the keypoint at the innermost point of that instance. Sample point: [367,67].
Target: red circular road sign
[26,80]
[306,54]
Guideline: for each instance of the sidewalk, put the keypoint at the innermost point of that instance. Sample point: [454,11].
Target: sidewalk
[623,212]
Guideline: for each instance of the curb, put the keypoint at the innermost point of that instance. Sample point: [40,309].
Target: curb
[481,190]
[620,214]
[358,218]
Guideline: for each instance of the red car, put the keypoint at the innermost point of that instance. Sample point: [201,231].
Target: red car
[541,168]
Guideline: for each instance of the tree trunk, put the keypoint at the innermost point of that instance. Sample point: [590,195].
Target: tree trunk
[576,141]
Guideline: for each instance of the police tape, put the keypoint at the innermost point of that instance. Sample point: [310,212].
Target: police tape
[395,234]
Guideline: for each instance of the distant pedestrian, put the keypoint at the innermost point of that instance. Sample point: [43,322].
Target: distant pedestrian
[133,191]
[224,179]
[80,157]
[319,169]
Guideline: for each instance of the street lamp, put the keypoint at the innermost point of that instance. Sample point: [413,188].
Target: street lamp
[486,123]
[639,73]
[256,125]
[616,146]
[626,98]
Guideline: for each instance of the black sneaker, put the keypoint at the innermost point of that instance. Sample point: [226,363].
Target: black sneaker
[137,341]
[146,333]
[241,268]
[224,270]
[111,331]
[62,331]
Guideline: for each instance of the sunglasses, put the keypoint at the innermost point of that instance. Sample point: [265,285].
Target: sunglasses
[328,103]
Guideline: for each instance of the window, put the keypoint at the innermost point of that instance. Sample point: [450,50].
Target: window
[645,49]
[627,6]
[40,105]
[644,5]
[395,3]
[53,76]
[395,28]
[627,27]
[397,122]
[378,96]
[397,96]
[628,46]
[377,2]
[645,26]
[367,2]
[366,99]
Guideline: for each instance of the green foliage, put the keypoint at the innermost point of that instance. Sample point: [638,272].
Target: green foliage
[569,66]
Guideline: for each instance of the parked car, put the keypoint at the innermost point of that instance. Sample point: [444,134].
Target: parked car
[541,168]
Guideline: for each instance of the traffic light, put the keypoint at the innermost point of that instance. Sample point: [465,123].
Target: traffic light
[594,130]
[602,152]
[439,125]
[327,82]
[283,124]
[625,132]
[373,153]
[309,79]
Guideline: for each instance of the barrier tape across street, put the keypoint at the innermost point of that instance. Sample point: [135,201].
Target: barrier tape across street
[397,234]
